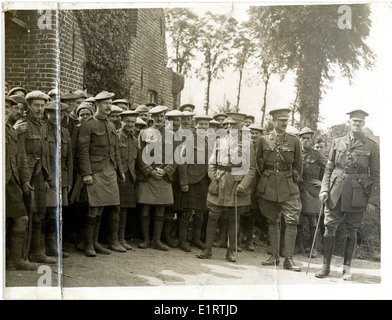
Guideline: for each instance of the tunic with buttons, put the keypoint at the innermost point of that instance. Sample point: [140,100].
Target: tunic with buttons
[278,159]
[313,169]
[99,156]
[352,173]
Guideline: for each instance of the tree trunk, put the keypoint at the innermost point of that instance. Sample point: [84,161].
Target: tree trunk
[265,99]
[237,109]
[309,89]
[208,93]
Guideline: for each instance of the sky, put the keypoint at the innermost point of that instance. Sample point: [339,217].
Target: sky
[370,90]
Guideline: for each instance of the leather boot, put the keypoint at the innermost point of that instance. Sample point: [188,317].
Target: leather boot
[121,230]
[51,239]
[289,239]
[274,238]
[348,254]
[282,251]
[249,235]
[36,253]
[328,244]
[97,246]
[89,230]
[196,232]
[114,224]
[15,260]
[210,236]
[79,225]
[299,240]
[167,228]
[222,233]
[158,225]
[145,226]
[183,231]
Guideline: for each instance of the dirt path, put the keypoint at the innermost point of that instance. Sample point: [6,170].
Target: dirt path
[149,274]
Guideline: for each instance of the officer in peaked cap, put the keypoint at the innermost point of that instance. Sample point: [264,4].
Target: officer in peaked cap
[188,107]
[313,169]
[279,160]
[17,178]
[122,103]
[350,188]
[143,112]
[51,116]
[20,91]
[154,187]
[249,120]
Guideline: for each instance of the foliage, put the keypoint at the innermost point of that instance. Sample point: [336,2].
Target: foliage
[181,28]
[107,43]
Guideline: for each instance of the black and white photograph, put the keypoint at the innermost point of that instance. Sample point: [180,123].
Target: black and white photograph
[195,151]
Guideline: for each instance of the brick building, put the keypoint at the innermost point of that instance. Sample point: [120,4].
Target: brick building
[32,58]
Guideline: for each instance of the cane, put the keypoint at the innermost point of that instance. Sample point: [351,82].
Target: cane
[236,226]
[315,234]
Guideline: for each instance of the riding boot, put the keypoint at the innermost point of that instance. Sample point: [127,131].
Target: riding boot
[15,260]
[89,231]
[232,232]
[328,244]
[289,239]
[222,233]
[97,246]
[274,238]
[230,256]
[196,233]
[312,232]
[36,253]
[348,254]
[156,240]
[282,251]
[121,230]
[51,239]
[79,224]
[167,228]
[210,236]
[114,223]
[145,226]
[299,240]
[183,231]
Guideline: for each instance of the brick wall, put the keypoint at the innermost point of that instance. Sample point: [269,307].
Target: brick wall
[148,59]
[72,55]
[30,55]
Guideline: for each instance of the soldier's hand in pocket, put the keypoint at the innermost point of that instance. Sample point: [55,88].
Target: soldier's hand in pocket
[88,179]
[27,188]
[240,189]
[185,188]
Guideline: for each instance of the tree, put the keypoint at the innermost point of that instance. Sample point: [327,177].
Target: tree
[312,43]
[215,40]
[183,34]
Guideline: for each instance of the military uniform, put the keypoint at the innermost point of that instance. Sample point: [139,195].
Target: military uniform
[352,182]
[279,161]
[228,176]
[99,157]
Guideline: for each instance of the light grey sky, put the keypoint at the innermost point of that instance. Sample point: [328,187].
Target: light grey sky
[370,90]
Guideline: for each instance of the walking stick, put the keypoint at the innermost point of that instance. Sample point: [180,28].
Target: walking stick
[236,226]
[315,234]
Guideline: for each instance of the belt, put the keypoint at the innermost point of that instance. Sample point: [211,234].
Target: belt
[228,168]
[355,170]
[278,167]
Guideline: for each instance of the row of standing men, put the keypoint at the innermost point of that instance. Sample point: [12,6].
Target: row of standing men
[102,165]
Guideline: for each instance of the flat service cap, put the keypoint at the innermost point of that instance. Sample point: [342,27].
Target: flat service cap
[237,116]
[158,109]
[116,109]
[202,117]
[17,89]
[187,105]
[140,122]
[129,113]
[11,100]
[104,95]
[52,105]
[37,95]
[174,113]
[18,98]
[306,130]
[142,108]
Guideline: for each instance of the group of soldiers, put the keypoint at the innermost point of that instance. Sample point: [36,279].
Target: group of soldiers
[101,167]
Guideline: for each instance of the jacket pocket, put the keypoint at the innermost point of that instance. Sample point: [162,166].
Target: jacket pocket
[213,188]
[361,193]
[292,185]
[263,182]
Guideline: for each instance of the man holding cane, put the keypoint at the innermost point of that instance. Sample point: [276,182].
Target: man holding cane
[350,187]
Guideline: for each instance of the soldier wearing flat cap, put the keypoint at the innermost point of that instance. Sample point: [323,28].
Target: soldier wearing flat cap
[188,107]
[150,105]
[54,114]
[139,126]
[279,161]
[154,187]
[194,182]
[69,98]
[17,117]
[143,111]
[37,152]
[100,165]
[114,116]
[350,189]
[313,169]
[220,117]
[232,170]
[249,120]
[17,178]
[122,103]
[20,91]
